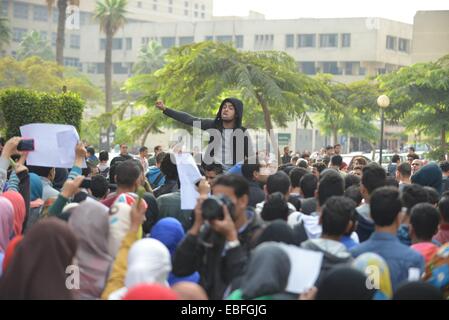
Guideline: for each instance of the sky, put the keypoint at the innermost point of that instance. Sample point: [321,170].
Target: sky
[400,10]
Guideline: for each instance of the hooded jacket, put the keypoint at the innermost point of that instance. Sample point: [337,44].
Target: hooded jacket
[334,253]
[217,123]
[429,175]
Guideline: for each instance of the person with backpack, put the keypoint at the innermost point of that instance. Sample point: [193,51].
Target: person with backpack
[155,176]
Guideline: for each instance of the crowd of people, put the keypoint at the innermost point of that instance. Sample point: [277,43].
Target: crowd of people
[128,245]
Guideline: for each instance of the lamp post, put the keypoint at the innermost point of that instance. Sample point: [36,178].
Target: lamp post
[383,102]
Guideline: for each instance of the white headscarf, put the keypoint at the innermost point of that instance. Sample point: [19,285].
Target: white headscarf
[148,262]
[119,225]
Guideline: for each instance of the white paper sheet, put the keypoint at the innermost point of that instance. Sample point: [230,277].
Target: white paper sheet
[305,268]
[188,175]
[54,144]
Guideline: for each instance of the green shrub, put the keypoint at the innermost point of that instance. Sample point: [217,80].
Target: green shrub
[22,106]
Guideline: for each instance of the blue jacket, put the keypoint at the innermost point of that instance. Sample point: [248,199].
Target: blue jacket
[153,173]
[399,257]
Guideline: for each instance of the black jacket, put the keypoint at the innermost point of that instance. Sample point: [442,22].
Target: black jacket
[217,123]
[216,270]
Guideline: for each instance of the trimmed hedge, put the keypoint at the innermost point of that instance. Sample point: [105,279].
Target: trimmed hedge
[23,106]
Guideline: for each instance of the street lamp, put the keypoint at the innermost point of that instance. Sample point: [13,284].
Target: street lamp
[383,102]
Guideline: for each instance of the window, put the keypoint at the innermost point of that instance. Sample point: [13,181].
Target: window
[75,41]
[328,40]
[91,68]
[404,45]
[119,68]
[209,38]
[186,12]
[117,44]
[170,9]
[203,16]
[186,3]
[129,43]
[239,42]
[224,39]
[84,18]
[4,8]
[331,67]
[203,7]
[145,41]
[349,68]
[263,41]
[72,62]
[196,6]
[18,34]
[100,68]
[139,4]
[40,13]
[306,40]
[168,42]
[345,40]
[155,7]
[196,14]
[289,41]
[55,14]
[308,67]
[170,2]
[53,39]
[391,43]
[21,10]
[185,40]
[43,35]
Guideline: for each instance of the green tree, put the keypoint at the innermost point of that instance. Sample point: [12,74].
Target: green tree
[151,58]
[33,45]
[197,76]
[62,17]
[420,96]
[5,31]
[111,16]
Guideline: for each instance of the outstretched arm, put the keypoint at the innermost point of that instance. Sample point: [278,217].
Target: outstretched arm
[184,117]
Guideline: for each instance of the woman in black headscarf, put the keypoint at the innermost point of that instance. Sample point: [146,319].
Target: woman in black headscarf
[38,268]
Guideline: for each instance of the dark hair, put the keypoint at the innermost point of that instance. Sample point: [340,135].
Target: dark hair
[160,156]
[295,176]
[91,150]
[392,182]
[278,182]
[395,158]
[2,141]
[353,192]
[168,167]
[418,290]
[143,149]
[216,167]
[308,185]
[385,205]
[286,147]
[336,214]
[361,160]
[329,147]
[320,166]
[275,207]
[302,163]
[444,166]
[336,160]
[413,156]
[331,184]
[127,173]
[405,169]
[443,206]
[294,159]
[412,148]
[123,144]
[277,231]
[425,220]
[156,148]
[352,180]
[103,156]
[40,171]
[374,176]
[236,182]
[99,186]
[337,145]
[413,194]
[248,170]
[305,155]
[432,195]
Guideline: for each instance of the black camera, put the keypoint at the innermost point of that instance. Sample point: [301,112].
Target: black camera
[212,207]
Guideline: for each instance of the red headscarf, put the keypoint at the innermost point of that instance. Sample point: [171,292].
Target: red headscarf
[10,251]
[150,292]
[19,209]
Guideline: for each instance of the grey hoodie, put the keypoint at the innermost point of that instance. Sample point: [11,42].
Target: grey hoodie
[334,253]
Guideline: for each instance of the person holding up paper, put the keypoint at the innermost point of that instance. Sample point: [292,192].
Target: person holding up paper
[233,143]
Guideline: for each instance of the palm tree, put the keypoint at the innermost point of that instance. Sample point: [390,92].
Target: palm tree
[111,16]
[151,58]
[5,31]
[60,36]
[33,45]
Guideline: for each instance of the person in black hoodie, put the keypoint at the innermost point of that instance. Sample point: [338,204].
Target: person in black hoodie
[228,122]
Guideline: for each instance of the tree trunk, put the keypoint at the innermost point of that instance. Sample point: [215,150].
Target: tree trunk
[108,69]
[145,135]
[269,125]
[443,141]
[334,136]
[60,37]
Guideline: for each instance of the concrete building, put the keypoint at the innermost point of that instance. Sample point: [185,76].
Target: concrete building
[430,35]
[349,48]
[33,15]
